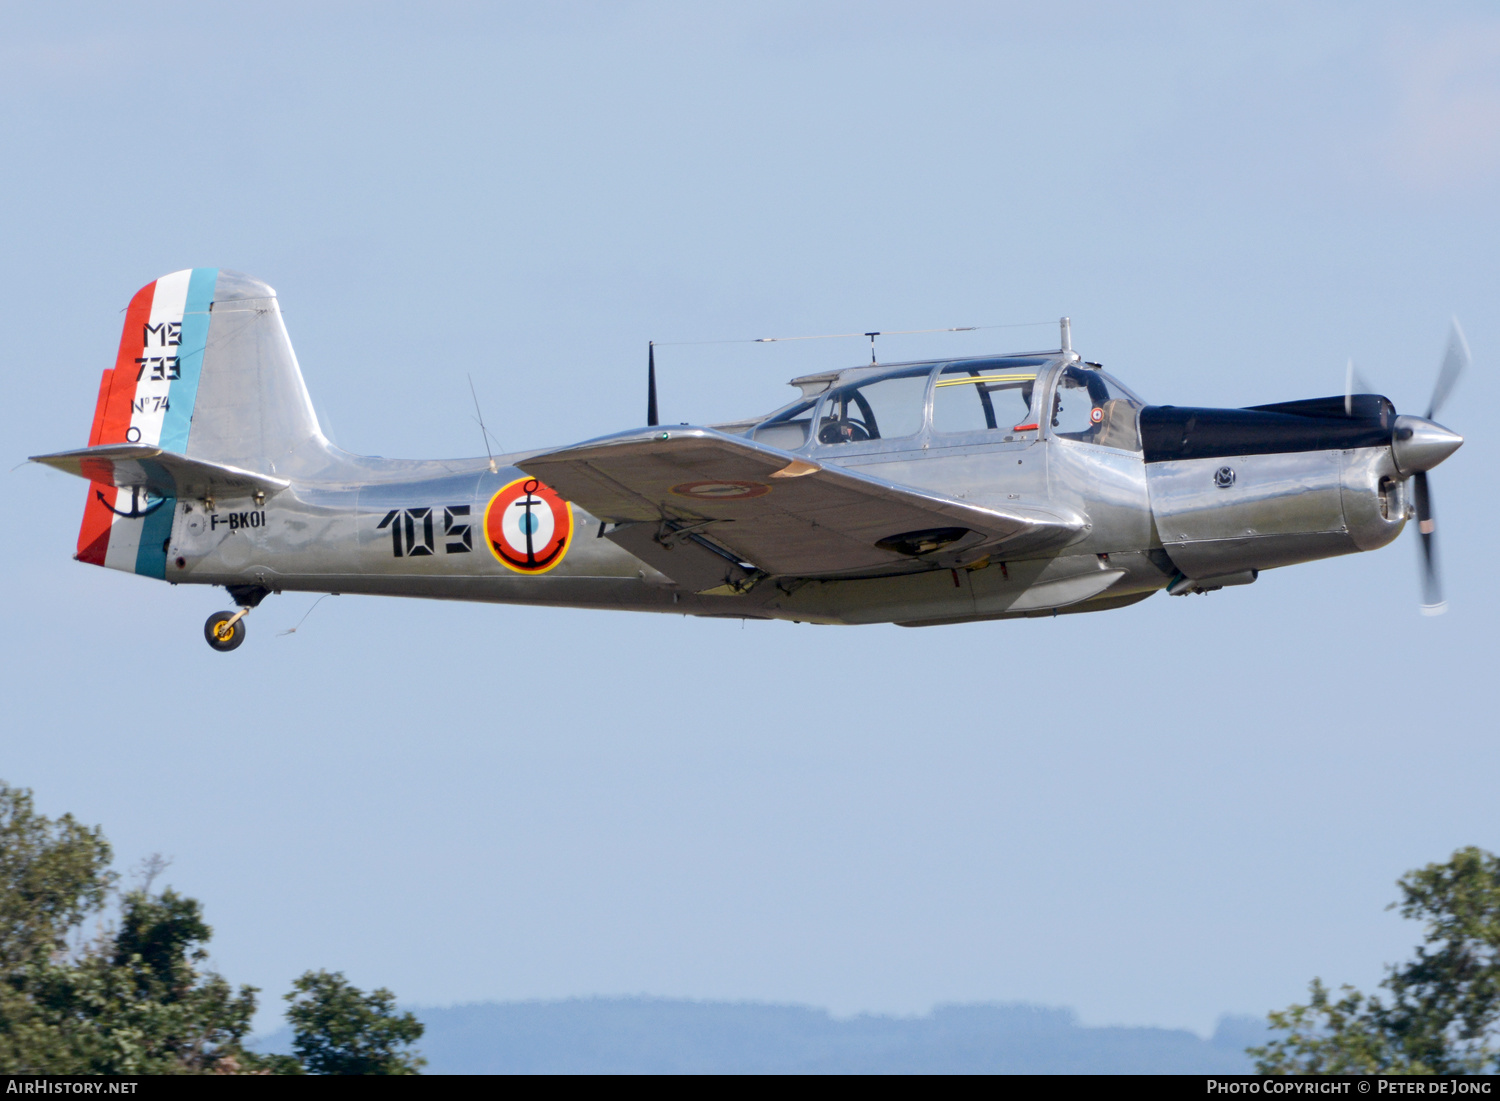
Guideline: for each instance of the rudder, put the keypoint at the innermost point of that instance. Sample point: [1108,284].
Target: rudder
[147,398]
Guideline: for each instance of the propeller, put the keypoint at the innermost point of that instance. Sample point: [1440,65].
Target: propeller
[651,418]
[1455,359]
[1417,445]
[1354,383]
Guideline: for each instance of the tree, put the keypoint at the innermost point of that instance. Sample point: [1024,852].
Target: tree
[52,876]
[134,1002]
[130,1001]
[1442,1011]
[134,999]
[341,1030]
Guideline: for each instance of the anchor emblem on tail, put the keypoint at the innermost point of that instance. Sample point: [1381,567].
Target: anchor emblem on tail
[138,494]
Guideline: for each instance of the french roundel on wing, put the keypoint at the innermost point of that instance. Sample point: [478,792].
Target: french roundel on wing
[528,526]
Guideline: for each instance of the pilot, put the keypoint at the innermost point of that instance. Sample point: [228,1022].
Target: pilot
[841,427]
[1111,420]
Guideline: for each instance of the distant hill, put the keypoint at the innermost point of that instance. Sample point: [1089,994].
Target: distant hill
[671,1036]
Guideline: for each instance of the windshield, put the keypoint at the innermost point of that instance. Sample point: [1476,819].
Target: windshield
[787,429]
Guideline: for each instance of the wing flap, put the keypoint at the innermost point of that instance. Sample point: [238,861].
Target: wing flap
[787,516]
[160,473]
[691,561]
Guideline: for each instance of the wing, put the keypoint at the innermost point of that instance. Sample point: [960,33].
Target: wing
[782,514]
[161,473]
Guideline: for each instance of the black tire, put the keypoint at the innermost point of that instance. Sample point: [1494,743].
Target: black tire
[212,631]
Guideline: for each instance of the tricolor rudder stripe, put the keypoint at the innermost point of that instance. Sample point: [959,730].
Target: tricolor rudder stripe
[147,398]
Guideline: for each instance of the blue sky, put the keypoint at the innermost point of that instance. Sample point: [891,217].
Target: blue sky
[1154,815]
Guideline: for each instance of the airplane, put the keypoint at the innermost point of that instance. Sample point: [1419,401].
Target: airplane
[919,493]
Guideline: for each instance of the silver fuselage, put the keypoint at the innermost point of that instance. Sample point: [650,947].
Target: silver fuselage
[415,528]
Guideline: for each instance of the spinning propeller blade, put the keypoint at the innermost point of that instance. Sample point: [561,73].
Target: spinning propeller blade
[1354,383]
[1455,360]
[1432,586]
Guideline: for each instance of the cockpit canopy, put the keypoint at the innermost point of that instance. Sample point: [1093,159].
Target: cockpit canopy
[976,400]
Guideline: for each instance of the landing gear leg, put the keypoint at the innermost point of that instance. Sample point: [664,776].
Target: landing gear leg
[225,630]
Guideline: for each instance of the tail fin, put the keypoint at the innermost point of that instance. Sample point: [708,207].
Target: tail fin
[205,370]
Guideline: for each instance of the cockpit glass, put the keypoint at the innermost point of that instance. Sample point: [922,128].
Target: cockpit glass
[1091,407]
[986,396]
[788,429]
[883,409]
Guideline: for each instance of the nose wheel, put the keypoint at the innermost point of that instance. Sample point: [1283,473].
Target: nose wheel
[225,630]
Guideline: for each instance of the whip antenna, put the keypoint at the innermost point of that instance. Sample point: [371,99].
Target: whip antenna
[479,416]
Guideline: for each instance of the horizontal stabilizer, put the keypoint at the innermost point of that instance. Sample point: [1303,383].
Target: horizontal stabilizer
[786,515]
[161,473]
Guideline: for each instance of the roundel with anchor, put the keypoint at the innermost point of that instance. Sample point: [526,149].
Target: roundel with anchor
[528,526]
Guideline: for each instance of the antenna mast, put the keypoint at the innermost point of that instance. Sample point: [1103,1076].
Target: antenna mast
[483,430]
[651,417]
